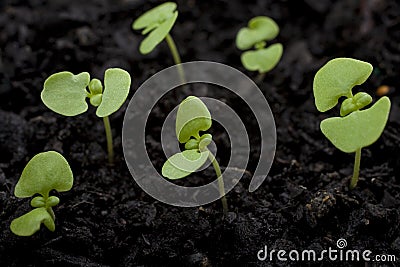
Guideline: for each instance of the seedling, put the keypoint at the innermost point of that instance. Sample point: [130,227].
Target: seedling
[355,128]
[193,117]
[66,93]
[262,59]
[44,172]
[157,23]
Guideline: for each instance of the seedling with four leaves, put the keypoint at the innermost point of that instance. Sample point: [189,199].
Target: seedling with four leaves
[45,172]
[262,59]
[157,23]
[357,127]
[66,93]
[193,117]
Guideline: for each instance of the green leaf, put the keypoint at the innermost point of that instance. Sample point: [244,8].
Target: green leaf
[52,201]
[259,29]
[205,140]
[182,164]
[192,117]
[28,224]
[357,102]
[262,60]
[192,144]
[95,87]
[65,93]
[38,202]
[44,172]
[359,129]
[96,100]
[154,15]
[117,83]
[336,79]
[159,21]
[157,35]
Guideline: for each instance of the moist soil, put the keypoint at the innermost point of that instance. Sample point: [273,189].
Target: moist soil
[107,220]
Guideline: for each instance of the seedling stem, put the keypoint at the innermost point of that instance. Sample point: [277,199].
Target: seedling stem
[110,147]
[260,77]
[176,56]
[221,185]
[356,170]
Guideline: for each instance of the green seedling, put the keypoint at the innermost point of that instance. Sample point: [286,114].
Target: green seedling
[193,117]
[44,172]
[157,24]
[357,127]
[255,36]
[66,93]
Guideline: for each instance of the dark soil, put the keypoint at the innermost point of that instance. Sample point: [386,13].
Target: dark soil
[107,220]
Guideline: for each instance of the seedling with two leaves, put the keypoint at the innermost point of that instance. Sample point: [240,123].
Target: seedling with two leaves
[66,93]
[44,172]
[157,24]
[262,59]
[192,118]
[357,127]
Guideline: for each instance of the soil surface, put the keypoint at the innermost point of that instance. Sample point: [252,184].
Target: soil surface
[107,220]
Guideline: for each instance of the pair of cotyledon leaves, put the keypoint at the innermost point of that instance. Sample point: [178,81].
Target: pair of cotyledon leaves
[359,128]
[192,117]
[44,172]
[259,30]
[156,22]
[66,93]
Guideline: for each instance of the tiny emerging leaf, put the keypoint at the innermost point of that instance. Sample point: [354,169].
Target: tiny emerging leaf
[262,60]
[357,102]
[38,202]
[182,164]
[44,172]
[28,224]
[192,117]
[336,79]
[65,93]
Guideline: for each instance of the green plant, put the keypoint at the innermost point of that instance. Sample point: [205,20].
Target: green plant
[44,172]
[193,117]
[157,23]
[262,59]
[66,93]
[355,128]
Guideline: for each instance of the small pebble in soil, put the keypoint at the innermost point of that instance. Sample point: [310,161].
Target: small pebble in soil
[319,206]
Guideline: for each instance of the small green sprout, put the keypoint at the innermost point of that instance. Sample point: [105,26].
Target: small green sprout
[259,31]
[44,172]
[193,117]
[157,23]
[66,93]
[355,128]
